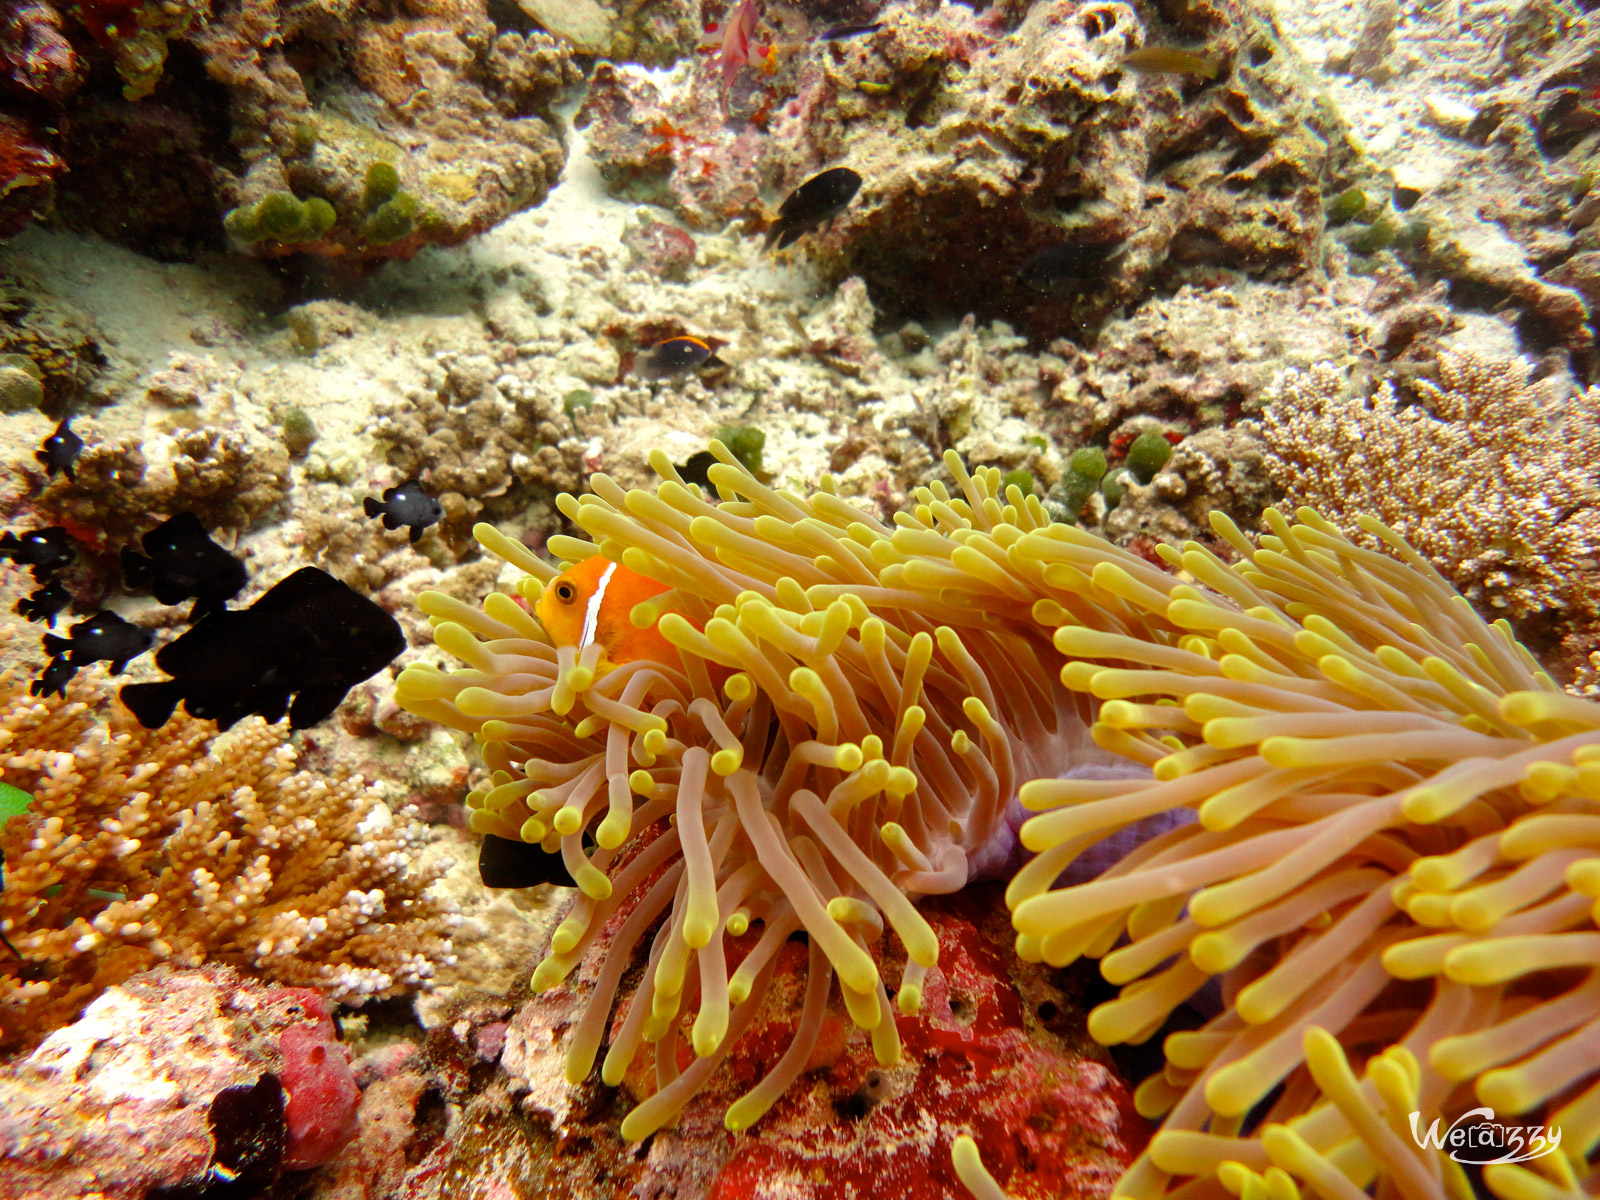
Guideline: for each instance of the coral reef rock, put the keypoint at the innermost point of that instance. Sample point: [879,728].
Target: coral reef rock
[171,1080]
[998,1050]
[983,145]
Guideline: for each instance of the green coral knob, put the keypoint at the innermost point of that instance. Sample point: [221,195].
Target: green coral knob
[1115,486]
[393,219]
[1377,236]
[1148,454]
[279,215]
[746,442]
[319,218]
[1022,479]
[1089,462]
[1347,206]
[299,432]
[383,184]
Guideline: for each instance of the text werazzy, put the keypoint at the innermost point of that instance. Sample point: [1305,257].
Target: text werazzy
[1477,1137]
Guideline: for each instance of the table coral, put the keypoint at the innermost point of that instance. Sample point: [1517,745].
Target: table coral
[1490,481]
[176,845]
[1393,866]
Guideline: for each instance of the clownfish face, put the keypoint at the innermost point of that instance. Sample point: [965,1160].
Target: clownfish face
[591,602]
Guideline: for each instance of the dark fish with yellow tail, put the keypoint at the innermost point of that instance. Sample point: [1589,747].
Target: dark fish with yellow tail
[59,451]
[1055,266]
[1170,60]
[838,33]
[54,678]
[814,203]
[309,637]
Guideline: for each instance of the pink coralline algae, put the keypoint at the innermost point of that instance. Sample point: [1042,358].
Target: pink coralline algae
[35,57]
[322,1092]
[997,1051]
[28,170]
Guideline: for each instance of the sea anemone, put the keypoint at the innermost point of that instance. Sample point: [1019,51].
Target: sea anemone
[1392,868]
[845,730]
[1393,871]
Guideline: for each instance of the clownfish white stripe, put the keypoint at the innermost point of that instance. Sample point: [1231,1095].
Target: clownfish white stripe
[591,618]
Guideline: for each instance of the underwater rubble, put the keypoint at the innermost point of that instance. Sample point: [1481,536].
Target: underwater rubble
[405,294]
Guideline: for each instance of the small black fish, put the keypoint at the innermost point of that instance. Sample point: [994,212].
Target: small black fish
[59,451]
[309,637]
[54,678]
[183,561]
[45,603]
[675,356]
[840,32]
[104,637]
[45,550]
[816,201]
[698,468]
[504,863]
[406,504]
[1047,270]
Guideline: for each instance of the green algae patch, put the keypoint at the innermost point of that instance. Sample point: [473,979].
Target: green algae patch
[392,220]
[280,217]
[746,442]
[1148,454]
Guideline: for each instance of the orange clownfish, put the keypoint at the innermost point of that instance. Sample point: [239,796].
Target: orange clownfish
[591,601]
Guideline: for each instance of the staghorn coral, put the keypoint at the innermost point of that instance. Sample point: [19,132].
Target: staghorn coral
[1394,866]
[176,845]
[1488,482]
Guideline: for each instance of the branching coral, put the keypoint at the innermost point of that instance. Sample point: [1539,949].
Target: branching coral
[1488,482]
[177,845]
[1394,867]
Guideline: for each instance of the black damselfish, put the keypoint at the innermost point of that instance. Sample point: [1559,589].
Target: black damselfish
[183,561]
[504,863]
[818,200]
[59,451]
[46,550]
[46,603]
[406,504]
[1068,264]
[104,637]
[309,637]
[53,680]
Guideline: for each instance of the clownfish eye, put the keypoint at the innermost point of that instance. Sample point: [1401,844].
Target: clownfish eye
[566,593]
